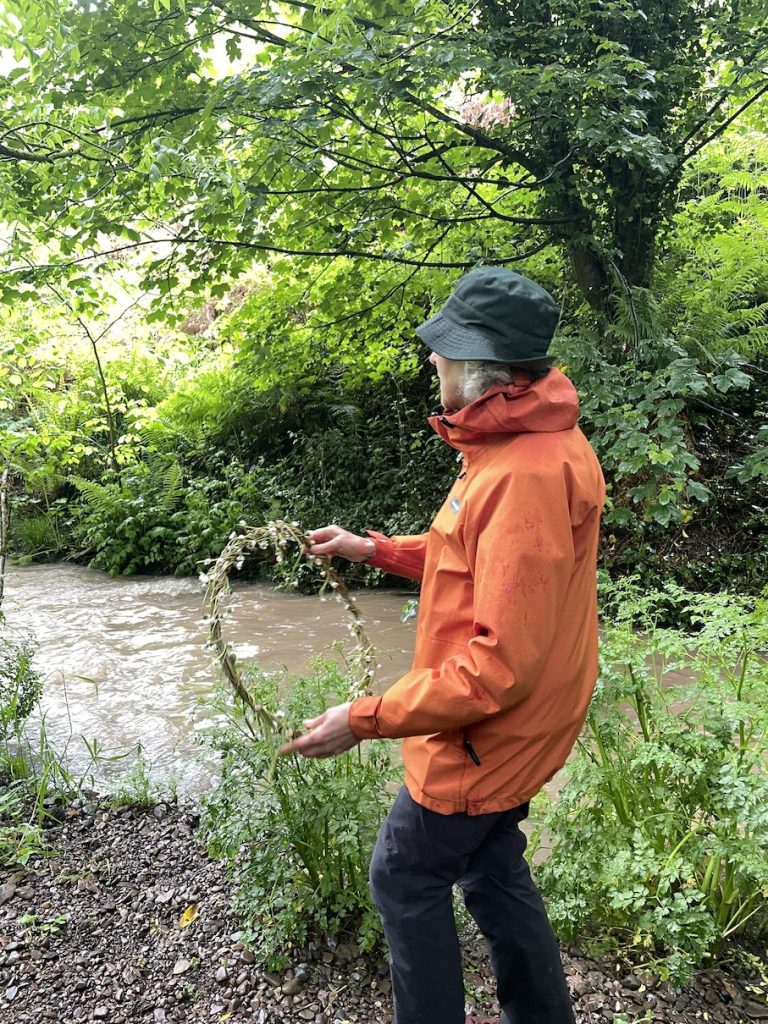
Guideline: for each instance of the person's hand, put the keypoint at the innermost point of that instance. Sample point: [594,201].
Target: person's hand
[328,734]
[332,540]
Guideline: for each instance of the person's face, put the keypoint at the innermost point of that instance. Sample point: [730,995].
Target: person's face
[448,372]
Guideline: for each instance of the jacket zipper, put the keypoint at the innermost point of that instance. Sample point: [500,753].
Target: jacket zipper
[471,751]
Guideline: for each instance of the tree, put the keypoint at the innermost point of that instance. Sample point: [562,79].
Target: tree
[435,134]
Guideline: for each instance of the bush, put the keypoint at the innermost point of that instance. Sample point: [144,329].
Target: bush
[153,519]
[659,835]
[298,833]
[20,684]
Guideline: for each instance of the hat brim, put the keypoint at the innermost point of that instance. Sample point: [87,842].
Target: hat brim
[452,341]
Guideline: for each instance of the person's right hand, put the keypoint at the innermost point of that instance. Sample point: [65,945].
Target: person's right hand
[332,540]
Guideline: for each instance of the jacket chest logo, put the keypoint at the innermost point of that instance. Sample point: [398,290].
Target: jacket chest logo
[455,505]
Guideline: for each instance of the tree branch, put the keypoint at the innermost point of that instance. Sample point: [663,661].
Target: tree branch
[722,127]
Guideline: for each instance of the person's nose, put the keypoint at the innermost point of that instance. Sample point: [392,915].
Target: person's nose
[432,359]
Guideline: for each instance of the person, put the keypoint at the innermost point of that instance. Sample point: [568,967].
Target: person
[505,657]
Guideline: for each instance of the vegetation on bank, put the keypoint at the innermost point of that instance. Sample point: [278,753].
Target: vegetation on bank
[658,836]
[656,840]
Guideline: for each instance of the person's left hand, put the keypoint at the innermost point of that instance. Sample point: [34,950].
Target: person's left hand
[328,734]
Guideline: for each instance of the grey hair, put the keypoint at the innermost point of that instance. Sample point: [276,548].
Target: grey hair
[478,375]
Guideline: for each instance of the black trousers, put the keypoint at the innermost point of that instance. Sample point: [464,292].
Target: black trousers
[419,856]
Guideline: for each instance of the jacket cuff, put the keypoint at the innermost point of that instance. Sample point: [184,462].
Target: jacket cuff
[362,718]
[384,557]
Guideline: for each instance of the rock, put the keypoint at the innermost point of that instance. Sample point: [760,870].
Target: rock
[10,993]
[579,986]
[7,892]
[158,1013]
[100,1013]
[347,951]
[631,982]
[181,966]
[593,1005]
[248,957]
[221,975]
[292,987]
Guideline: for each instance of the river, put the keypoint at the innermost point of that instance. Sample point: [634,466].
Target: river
[124,659]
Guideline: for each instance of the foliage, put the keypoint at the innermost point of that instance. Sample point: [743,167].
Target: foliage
[136,787]
[152,520]
[431,135]
[636,418]
[20,684]
[20,837]
[298,834]
[659,834]
[302,395]
[712,279]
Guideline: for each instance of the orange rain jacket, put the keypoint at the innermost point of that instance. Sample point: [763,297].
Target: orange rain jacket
[506,644]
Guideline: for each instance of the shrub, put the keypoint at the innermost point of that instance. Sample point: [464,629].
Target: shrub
[659,835]
[19,682]
[298,833]
[153,519]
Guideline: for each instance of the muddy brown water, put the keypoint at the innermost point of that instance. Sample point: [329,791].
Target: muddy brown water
[124,659]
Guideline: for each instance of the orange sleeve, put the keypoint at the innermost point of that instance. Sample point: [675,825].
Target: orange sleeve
[519,544]
[402,556]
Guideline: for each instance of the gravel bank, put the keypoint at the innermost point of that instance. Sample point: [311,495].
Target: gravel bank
[93,933]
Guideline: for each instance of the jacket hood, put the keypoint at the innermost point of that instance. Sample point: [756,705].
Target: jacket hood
[545,405]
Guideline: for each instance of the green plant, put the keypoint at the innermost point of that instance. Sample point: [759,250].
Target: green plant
[20,833]
[659,835]
[297,834]
[136,787]
[20,684]
[35,927]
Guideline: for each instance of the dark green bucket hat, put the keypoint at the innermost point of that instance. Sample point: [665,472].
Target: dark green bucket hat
[497,315]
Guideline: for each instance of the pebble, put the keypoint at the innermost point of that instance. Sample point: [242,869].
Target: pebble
[122,958]
[7,892]
[292,987]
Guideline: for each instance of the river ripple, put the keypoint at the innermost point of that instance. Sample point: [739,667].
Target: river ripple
[124,659]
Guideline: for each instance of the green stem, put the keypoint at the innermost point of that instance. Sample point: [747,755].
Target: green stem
[642,706]
[615,794]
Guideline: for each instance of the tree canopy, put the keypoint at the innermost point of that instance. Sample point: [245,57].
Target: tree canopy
[435,134]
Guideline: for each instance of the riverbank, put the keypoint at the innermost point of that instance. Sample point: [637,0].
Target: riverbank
[128,920]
